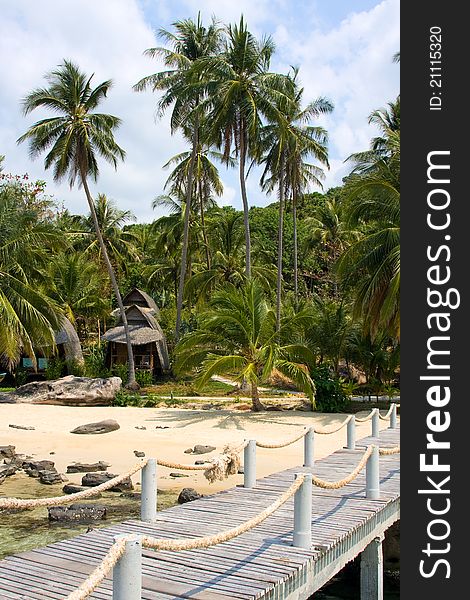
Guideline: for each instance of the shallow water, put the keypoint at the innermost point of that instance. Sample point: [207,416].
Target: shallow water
[25,530]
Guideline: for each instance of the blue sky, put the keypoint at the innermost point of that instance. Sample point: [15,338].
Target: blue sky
[344,49]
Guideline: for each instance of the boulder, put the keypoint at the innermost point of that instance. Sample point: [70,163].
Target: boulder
[188,495]
[71,488]
[67,391]
[33,467]
[50,477]
[200,449]
[26,427]
[105,426]
[7,452]
[87,468]
[178,475]
[77,513]
[139,454]
[94,479]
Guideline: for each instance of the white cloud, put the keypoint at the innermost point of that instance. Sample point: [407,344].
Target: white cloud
[351,64]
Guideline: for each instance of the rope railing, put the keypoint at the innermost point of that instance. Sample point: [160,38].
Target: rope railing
[386,417]
[282,444]
[329,430]
[367,417]
[117,550]
[301,488]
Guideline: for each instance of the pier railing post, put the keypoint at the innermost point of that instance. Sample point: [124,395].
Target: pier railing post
[372,475]
[303,513]
[376,423]
[309,447]
[148,505]
[249,464]
[351,435]
[393,417]
[127,573]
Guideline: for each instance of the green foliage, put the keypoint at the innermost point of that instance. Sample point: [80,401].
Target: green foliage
[144,378]
[95,361]
[330,395]
[55,369]
[121,371]
[125,398]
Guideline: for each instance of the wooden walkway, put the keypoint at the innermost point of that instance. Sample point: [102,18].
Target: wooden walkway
[259,564]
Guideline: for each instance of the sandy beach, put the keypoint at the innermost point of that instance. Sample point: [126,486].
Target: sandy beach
[168,433]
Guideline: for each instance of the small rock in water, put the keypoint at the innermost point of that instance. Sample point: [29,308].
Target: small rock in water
[140,427]
[71,488]
[94,479]
[188,495]
[50,477]
[178,475]
[87,468]
[26,427]
[7,452]
[162,427]
[199,462]
[188,451]
[139,454]
[200,449]
[77,512]
[105,426]
[33,467]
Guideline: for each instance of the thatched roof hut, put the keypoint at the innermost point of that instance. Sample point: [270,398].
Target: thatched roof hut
[147,337]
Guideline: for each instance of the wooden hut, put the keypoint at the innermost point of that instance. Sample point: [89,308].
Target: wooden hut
[147,338]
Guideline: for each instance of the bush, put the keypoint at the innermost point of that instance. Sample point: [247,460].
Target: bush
[95,362]
[55,368]
[329,396]
[144,378]
[121,371]
[124,398]
[75,368]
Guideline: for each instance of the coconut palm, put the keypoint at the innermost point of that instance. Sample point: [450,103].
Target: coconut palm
[372,264]
[284,141]
[242,92]
[120,244]
[237,335]
[73,139]
[28,316]
[182,86]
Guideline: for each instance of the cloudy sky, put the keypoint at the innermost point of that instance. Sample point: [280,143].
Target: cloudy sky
[344,49]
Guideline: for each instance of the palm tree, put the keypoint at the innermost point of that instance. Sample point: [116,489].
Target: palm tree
[28,316]
[237,334]
[206,183]
[284,141]
[372,264]
[72,140]
[182,86]
[241,93]
[120,244]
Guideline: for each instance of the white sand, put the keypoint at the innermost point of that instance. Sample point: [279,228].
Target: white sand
[185,429]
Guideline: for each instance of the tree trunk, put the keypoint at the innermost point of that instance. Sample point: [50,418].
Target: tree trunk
[204,232]
[245,200]
[132,383]
[257,406]
[280,245]
[296,265]
[184,250]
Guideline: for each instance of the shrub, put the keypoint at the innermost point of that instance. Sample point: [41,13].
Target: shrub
[55,368]
[121,371]
[329,396]
[144,378]
[124,398]
[95,362]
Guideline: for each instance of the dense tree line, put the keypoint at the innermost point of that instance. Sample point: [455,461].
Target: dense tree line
[310,280]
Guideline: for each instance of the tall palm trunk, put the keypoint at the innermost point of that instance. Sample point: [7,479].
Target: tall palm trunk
[184,250]
[244,198]
[132,383]
[204,231]
[280,244]
[257,405]
[296,260]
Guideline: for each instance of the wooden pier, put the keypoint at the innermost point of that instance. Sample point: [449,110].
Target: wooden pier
[259,564]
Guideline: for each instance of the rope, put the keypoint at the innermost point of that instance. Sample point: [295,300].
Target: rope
[228,534]
[117,549]
[328,430]
[368,418]
[388,451]
[282,444]
[181,467]
[22,503]
[334,485]
[387,416]
[101,571]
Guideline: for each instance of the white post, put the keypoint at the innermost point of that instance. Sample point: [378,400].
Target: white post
[352,433]
[376,423]
[393,417]
[309,446]
[127,573]
[372,475]
[148,497]
[303,513]
[249,465]
[372,570]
